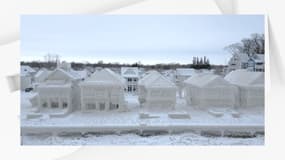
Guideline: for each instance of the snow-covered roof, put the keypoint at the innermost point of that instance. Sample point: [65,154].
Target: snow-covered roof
[41,72]
[105,76]
[130,71]
[244,77]
[207,79]
[60,74]
[79,74]
[186,71]
[259,58]
[155,79]
[25,70]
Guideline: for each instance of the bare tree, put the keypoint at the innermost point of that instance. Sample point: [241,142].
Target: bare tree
[250,46]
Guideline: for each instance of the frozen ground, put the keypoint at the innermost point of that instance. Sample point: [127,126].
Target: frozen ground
[134,139]
[254,116]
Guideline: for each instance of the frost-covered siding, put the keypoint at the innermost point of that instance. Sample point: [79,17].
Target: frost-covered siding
[104,90]
[251,87]
[208,90]
[58,91]
[157,91]
[131,74]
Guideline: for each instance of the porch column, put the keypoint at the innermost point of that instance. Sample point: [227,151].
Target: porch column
[49,102]
[107,106]
[69,104]
[60,103]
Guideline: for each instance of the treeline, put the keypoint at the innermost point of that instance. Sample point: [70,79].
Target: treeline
[79,65]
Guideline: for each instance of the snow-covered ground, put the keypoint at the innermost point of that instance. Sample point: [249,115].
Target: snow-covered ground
[134,139]
[254,116]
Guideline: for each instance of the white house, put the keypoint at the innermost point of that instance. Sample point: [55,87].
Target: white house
[209,90]
[156,91]
[181,75]
[256,63]
[131,74]
[238,61]
[26,81]
[26,75]
[251,87]
[243,61]
[58,92]
[103,90]
[25,69]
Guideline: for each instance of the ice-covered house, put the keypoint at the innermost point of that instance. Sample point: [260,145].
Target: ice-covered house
[256,63]
[131,74]
[209,90]
[103,90]
[26,75]
[27,70]
[181,75]
[26,81]
[238,61]
[41,75]
[156,91]
[58,92]
[243,61]
[251,87]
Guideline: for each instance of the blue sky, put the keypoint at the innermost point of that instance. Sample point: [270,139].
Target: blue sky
[128,39]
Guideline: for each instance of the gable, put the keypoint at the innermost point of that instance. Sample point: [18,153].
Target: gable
[207,79]
[155,79]
[130,72]
[106,76]
[59,74]
[242,77]
[162,82]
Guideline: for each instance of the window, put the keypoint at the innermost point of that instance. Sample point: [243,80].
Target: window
[129,88]
[54,105]
[129,79]
[114,106]
[102,106]
[64,104]
[44,104]
[135,79]
[91,106]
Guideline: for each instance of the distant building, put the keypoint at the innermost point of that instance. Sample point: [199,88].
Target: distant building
[26,74]
[77,74]
[131,74]
[256,64]
[181,75]
[253,63]
[25,69]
